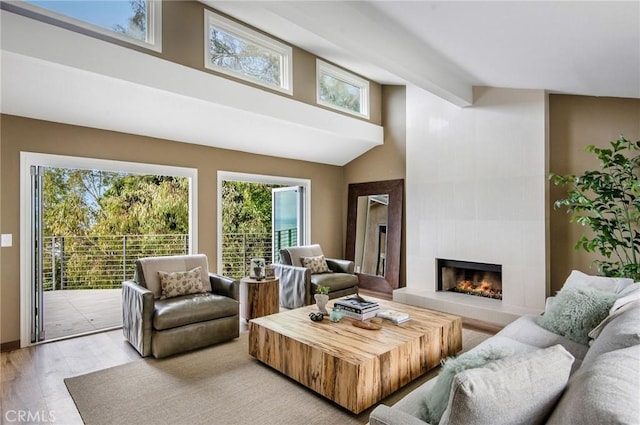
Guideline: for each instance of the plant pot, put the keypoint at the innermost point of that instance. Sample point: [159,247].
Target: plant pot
[321,302]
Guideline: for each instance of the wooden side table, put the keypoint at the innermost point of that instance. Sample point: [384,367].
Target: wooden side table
[259,297]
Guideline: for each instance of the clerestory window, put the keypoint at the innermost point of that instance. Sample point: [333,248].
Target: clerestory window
[233,49]
[134,21]
[341,90]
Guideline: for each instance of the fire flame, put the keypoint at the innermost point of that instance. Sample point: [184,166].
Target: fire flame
[483,288]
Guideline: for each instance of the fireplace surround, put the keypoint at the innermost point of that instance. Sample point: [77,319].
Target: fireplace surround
[477,189]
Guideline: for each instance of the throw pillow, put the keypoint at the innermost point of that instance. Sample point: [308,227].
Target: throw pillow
[519,390]
[576,311]
[434,405]
[316,264]
[181,283]
[611,284]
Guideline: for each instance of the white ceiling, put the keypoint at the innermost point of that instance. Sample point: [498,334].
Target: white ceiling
[573,47]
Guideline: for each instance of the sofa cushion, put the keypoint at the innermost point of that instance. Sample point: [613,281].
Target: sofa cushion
[526,329]
[181,283]
[315,264]
[576,311]
[521,389]
[620,330]
[436,402]
[147,270]
[606,391]
[173,312]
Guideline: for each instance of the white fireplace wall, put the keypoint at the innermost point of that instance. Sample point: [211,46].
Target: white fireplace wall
[476,190]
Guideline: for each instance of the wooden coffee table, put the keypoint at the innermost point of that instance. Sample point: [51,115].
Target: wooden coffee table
[354,367]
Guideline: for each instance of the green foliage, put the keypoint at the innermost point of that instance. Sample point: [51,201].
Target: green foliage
[339,93]
[246,207]
[608,202]
[71,200]
[324,290]
[138,205]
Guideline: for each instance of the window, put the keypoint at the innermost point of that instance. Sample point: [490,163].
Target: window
[133,21]
[238,51]
[341,90]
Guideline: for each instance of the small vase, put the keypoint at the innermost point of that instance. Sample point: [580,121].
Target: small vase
[321,302]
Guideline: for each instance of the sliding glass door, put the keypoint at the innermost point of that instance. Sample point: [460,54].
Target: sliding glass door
[288,218]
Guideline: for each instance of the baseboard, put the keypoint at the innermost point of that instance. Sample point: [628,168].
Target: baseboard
[8,346]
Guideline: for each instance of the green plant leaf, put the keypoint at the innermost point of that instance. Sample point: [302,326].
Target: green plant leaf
[607,201]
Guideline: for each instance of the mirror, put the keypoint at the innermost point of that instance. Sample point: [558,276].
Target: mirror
[374,229]
[371,234]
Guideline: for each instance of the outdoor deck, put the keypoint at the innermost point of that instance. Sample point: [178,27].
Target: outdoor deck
[73,312]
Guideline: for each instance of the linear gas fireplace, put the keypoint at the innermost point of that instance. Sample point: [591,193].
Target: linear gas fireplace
[465,277]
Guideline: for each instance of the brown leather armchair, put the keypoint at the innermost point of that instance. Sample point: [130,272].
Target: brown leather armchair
[298,283]
[162,327]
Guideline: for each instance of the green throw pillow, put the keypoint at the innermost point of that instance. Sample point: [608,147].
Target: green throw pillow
[576,311]
[434,405]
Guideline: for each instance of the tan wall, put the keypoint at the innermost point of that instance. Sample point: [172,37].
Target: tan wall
[386,162]
[575,122]
[22,134]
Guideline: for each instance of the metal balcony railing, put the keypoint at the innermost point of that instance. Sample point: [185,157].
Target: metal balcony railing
[239,248]
[103,262]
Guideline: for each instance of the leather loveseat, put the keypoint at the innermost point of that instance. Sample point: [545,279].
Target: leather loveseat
[161,326]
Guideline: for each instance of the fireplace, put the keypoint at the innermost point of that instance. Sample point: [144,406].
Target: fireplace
[465,277]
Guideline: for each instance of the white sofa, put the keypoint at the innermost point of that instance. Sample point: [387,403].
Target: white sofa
[603,382]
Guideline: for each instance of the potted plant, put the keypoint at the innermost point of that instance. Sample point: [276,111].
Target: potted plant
[607,200]
[322,297]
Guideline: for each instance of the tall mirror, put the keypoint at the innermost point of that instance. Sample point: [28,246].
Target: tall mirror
[374,229]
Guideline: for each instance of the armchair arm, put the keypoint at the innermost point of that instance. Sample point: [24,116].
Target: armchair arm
[340,266]
[226,286]
[295,285]
[137,316]
[384,415]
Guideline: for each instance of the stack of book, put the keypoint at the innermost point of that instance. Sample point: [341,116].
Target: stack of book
[393,316]
[357,308]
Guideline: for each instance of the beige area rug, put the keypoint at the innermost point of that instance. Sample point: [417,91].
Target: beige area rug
[216,385]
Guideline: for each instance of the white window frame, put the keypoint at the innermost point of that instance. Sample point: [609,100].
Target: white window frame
[244,33]
[349,78]
[154,24]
